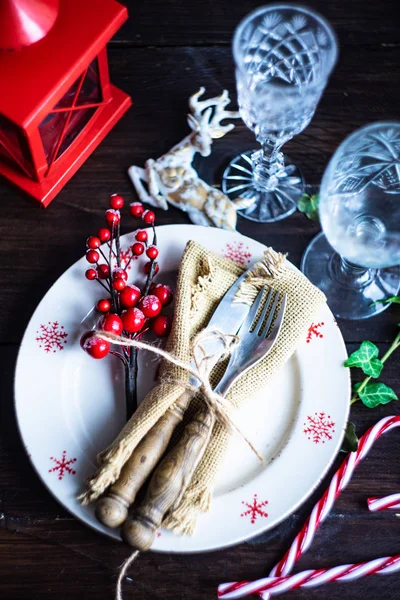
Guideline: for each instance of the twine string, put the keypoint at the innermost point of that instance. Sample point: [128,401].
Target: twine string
[122,573]
[220,407]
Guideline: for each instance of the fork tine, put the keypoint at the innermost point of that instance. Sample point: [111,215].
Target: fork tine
[271,315]
[279,320]
[245,328]
[264,312]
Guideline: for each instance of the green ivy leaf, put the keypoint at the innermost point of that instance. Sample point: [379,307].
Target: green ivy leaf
[390,300]
[308,205]
[350,440]
[375,393]
[366,358]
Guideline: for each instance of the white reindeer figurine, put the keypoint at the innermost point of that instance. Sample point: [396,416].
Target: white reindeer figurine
[171,178]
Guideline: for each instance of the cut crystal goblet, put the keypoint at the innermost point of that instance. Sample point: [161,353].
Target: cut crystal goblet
[283,54]
[356,259]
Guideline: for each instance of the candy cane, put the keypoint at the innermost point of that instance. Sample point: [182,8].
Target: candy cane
[321,510]
[392,501]
[310,578]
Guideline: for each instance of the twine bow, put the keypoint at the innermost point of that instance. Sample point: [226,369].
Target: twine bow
[204,363]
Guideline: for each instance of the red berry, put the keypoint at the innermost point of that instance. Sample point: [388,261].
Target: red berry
[93,242]
[150,306]
[103,271]
[94,346]
[137,249]
[133,320]
[152,252]
[141,235]
[129,296]
[147,268]
[119,284]
[91,274]
[111,323]
[148,216]
[161,325]
[103,305]
[136,209]
[92,256]
[104,234]
[152,288]
[163,292]
[85,337]
[119,272]
[112,217]
[116,201]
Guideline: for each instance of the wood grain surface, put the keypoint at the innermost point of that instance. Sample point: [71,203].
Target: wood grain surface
[165,51]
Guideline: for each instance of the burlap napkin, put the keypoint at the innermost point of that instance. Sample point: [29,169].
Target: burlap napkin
[203,279]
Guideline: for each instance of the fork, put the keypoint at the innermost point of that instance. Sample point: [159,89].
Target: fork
[256,338]
[174,472]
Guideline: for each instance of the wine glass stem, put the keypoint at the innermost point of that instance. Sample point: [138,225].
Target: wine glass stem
[267,162]
[349,274]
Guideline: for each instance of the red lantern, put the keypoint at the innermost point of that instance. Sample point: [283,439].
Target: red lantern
[56,100]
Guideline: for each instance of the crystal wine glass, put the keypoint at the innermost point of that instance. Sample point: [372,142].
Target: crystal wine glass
[284,54]
[356,262]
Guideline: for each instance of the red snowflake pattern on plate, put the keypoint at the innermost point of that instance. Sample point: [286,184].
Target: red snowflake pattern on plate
[126,258]
[238,252]
[254,509]
[51,337]
[319,428]
[63,465]
[313,331]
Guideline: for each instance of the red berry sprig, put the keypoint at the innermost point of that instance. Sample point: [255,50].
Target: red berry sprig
[128,310]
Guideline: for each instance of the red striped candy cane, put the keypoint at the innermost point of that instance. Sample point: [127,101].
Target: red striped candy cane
[311,578]
[392,501]
[321,510]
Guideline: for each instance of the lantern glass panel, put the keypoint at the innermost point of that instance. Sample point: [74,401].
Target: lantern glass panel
[79,119]
[62,126]
[50,130]
[14,148]
[91,89]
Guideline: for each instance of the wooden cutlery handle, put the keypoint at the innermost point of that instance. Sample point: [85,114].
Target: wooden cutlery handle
[112,509]
[168,482]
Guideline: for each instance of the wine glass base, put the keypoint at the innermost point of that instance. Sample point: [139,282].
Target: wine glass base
[348,298]
[267,206]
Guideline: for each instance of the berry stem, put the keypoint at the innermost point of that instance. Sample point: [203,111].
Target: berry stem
[120,356]
[117,246]
[131,383]
[150,278]
[111,251]
[154,236]
[128,263]
[152,268]
[112,291]
[104,286]
[104,256]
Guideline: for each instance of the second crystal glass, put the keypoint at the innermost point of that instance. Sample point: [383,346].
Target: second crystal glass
[284,54]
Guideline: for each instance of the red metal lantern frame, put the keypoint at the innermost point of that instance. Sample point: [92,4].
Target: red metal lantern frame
[27,166]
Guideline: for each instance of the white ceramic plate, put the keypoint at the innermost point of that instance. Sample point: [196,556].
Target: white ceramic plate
[69,406]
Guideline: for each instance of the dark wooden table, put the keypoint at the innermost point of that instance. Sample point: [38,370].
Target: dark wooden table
[165,51]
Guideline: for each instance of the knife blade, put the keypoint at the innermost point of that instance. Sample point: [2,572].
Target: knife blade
[227,318]
[112,509]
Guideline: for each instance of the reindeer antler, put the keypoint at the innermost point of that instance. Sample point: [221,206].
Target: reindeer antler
[202,109]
